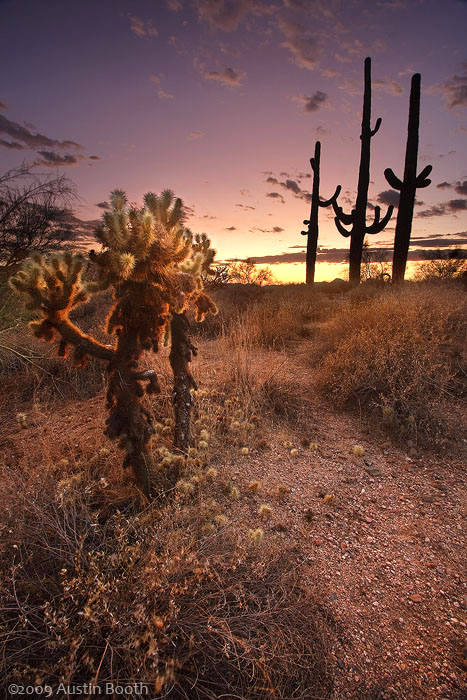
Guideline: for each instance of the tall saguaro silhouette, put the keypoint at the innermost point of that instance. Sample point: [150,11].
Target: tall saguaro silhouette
[312,223]
[357,218]
[408,185]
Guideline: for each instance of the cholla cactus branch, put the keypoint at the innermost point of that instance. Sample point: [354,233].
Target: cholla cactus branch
[181,353]
[408,185]
[312,223]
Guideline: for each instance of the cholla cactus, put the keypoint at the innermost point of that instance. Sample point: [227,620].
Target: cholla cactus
[154,267]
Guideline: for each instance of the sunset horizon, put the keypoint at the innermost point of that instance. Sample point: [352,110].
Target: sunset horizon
[222,102]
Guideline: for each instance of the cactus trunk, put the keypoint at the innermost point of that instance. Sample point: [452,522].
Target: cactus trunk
[357,218]
[408,186]
[358,233]
[180,357]
[313,228]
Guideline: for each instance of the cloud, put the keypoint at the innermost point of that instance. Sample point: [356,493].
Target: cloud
[353,48]
[291,186]
[53,160]
[313,103]
[94,158]
[194,135]
[274,229]
[162,94]
[444,185]
[228,76]
[103,205]
[245,206]
[451,207]
[35,141]
[230,228]
[12,145]
[141,27]
[388,197]
[276,195]
[457,204]
[439,240]
[3,105]
[226,15]
[454,89]
[304,48]
[208,216]
[340,255]
[175,5]
[390,86]
[461,188]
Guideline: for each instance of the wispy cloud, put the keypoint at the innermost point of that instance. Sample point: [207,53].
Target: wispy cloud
[103,205]
[301,43]
[141,27]
[161,93]
[12,145]
[245,206]
[226,15]
[228,76]
[194,135]
[53,160]
[390,86]
[276,195]
[453,206]
[26,137]
[291,186]
[454,89]
[312,103]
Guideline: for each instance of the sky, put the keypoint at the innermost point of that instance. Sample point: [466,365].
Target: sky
[222,102]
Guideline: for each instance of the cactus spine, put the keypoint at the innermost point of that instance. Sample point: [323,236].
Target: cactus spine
[408,185]
[154,268]
[312,223]
[357,218]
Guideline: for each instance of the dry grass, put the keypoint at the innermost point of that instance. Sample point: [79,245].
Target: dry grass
[401,355]
[92,595]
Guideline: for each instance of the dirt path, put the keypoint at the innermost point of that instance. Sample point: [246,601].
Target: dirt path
[382,534]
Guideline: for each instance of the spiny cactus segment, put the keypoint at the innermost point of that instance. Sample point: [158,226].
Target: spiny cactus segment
[357,218]
[154,266]
[312,223]
[408,185]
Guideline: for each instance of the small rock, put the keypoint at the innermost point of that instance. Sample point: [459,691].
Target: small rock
[426,498]
[416,598]
[373,471]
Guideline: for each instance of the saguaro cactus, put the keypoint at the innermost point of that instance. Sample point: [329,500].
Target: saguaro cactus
[357,218]
[408,185]
[154,268]
[312,223]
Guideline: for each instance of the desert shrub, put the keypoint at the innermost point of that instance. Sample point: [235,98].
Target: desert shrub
[401,356]
[89,595]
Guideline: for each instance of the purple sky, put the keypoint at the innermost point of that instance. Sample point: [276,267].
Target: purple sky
[222,101]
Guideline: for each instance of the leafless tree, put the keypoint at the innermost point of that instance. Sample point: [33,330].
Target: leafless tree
[35,213]
[246,272]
